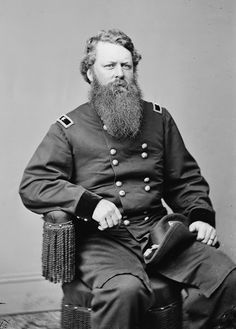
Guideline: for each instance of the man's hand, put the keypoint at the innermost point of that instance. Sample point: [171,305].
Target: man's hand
[205,232]
[106,214]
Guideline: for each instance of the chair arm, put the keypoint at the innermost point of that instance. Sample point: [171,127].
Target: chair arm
[57,217]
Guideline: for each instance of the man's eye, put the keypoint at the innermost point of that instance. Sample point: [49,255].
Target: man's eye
[127,66]
[109,66]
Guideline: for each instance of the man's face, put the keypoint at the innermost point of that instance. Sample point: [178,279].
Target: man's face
[113,62]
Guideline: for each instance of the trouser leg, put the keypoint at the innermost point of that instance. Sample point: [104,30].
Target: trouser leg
[200,312]
[120,303]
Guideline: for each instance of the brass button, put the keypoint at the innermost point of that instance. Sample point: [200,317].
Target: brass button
[113,151]
[146,180]
[147,188]
[146,218]
[126,222]
[104,127]
[115,162]
[119,184]
[144,146]
[122,193]
[144,155]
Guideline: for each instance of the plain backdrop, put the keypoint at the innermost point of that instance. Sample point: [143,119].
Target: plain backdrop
[188,49]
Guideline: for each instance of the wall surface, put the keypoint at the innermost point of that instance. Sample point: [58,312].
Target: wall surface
[188,49]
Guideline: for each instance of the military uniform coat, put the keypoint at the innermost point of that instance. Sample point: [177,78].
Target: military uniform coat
[78,163]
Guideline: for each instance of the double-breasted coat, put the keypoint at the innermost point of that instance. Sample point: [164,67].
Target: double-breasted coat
[78,163]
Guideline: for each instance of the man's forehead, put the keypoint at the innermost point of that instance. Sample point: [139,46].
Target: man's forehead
[106,51]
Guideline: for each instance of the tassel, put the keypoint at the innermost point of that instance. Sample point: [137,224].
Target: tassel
[58,252]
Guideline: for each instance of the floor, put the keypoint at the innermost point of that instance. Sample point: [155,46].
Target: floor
[40,320]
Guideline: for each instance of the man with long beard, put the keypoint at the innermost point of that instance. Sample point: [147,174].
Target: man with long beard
[118,104]
[108,164]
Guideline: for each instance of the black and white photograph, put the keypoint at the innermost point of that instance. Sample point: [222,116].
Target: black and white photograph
[118,157]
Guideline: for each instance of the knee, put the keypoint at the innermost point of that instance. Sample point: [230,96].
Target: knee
[128,287]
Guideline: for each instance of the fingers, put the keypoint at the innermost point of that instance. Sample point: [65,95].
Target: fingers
[209,236]
[193,227]
[106,214]
[103,224]
[212,241]
[118,215]
[205,233]
[109,221]
[216,240]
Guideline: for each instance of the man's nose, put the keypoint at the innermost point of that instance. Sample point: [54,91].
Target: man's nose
[119,71]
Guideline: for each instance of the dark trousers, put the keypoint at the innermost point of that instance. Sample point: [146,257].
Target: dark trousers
[112,266]
[200,312]
[121,303]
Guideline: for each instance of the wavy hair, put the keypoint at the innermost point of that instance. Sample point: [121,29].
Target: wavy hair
[114,36]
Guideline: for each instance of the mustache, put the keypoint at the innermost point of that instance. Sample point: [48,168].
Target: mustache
[118,85]
[120,82]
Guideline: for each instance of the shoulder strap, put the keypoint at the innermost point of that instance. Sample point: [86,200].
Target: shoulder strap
[157,108]
[65,121]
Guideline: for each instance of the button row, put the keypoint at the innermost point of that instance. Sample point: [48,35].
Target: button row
[113,151]
[122,193]
[119,183]
[147,188]
[115,162]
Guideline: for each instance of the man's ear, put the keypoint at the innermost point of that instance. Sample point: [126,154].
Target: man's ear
[90,75]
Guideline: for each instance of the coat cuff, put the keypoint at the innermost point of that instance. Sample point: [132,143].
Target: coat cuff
[87,204]
[202,214]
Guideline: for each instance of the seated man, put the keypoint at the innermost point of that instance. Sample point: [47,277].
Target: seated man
[109,163]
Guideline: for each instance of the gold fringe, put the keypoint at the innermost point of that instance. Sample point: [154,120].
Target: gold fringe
[58,252]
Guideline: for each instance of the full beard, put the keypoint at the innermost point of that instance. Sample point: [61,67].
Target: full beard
[119,106]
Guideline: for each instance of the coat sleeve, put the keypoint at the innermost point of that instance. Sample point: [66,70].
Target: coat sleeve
[185,189]
[47,182]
